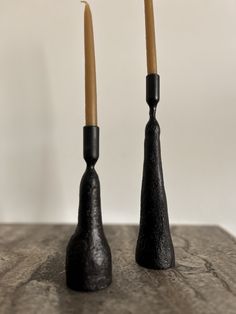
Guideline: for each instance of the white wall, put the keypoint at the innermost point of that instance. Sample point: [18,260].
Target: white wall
[42,108]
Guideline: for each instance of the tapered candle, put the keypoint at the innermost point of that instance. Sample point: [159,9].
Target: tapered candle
[150,37]
[90,69]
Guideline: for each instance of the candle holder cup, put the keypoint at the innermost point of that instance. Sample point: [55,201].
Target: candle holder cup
[88,255]
[154,245]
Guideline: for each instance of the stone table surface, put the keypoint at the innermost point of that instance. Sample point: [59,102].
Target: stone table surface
[32,277]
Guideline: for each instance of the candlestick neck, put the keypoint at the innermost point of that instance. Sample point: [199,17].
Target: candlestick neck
[152,92]
[91,145]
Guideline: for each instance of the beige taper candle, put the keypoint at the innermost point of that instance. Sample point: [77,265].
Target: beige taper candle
[90,69]
[150,37]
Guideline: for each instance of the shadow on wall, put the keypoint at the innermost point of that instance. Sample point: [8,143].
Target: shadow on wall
[29,180]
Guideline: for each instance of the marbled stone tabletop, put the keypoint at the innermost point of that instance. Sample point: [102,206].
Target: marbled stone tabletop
[32,277]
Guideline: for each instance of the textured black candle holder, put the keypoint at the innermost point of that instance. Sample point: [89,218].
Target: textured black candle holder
[88,256]
[154,245]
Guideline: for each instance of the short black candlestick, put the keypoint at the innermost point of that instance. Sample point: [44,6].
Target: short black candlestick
[88,256]
[154,245]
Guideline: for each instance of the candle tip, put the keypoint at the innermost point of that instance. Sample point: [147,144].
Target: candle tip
[85,2]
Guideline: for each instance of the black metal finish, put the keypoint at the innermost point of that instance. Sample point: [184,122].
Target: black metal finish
[91,145]
[152,90]
[88,256]
[154,246]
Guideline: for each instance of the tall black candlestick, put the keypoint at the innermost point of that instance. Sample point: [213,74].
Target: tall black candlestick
[88,256]
[154,245]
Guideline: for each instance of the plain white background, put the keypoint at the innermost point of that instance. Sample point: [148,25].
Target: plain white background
[42,108]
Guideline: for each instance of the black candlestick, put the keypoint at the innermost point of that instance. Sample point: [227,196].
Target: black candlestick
[154,246]
[88,256]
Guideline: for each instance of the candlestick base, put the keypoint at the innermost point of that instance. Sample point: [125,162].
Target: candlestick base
[88,255]
[154,245]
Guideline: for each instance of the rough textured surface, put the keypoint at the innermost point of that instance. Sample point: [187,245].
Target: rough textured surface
[88,258]
[154,248]
[154,245]
[32,276]
[88,255]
